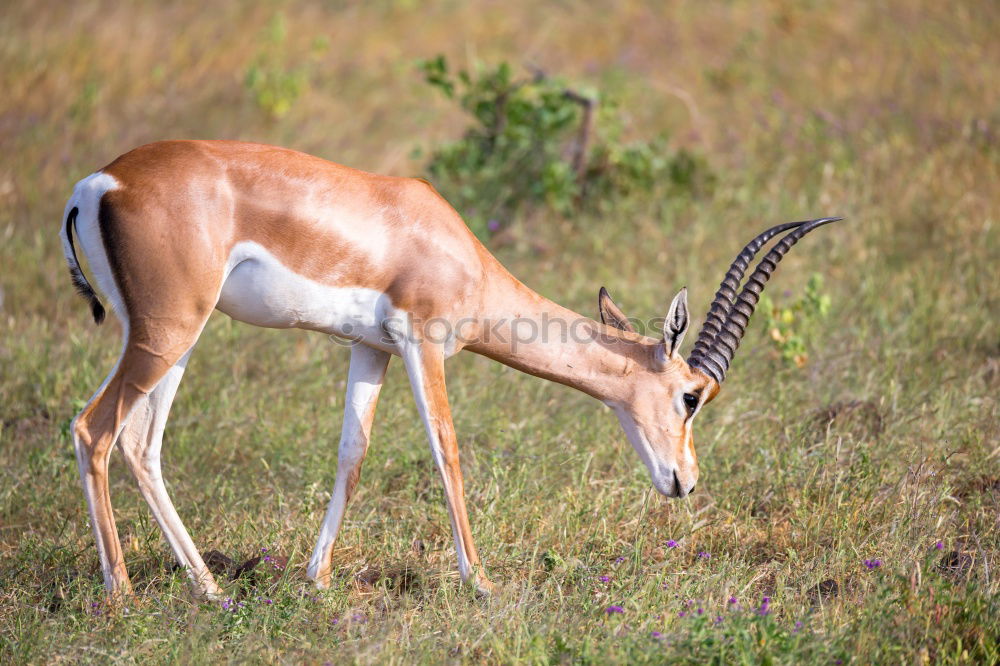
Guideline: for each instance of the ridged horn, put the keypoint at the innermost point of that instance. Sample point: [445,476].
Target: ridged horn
[716,360]
[726,295]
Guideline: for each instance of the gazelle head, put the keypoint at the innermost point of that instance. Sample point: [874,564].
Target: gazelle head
[667,391]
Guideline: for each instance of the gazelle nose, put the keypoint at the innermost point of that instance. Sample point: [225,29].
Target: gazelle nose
[678,489]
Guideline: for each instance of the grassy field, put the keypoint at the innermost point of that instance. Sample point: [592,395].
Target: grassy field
[884,445]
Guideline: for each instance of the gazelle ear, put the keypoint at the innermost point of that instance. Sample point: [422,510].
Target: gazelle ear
[676,324]
[611,314]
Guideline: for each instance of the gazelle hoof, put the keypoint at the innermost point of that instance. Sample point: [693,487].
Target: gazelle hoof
[207,589]
[485,588]
[118,595]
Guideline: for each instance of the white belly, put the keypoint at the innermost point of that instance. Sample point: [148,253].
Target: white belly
[260,290]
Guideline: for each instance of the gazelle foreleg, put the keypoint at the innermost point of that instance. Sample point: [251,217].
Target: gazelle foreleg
[140,443]
[425,367]
[364,381]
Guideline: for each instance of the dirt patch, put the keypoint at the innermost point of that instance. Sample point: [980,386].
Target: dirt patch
[400,578]
[861,418]
[823,591]
[767,585]
[39,423]
[968,485]
[261,570]
[956,565]
[991,370]
[218,564]
[762,507]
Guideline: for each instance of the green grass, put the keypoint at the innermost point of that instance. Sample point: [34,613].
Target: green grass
[882,112]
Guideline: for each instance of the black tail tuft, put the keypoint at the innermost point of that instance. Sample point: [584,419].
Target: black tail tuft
[79,280]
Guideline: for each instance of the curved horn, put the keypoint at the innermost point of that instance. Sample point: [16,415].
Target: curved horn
[715,362]
[726,295]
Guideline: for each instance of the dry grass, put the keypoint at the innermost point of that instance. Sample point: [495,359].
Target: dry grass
[882,112]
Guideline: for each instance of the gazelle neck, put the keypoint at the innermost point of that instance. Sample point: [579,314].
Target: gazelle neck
[528,332]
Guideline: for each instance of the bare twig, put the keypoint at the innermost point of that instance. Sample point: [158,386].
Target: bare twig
[582,143]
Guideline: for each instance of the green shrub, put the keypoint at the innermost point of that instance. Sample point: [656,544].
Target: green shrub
[790,326]
[536,142]
[274,84]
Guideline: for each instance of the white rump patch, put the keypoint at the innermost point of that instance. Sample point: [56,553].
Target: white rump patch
[87,199]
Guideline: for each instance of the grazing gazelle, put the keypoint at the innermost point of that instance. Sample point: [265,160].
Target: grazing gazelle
[281,239]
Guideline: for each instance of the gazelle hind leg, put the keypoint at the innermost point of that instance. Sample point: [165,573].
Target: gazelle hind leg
[96,428]
[92,463]
[425,367]
[140,443]
[364,382]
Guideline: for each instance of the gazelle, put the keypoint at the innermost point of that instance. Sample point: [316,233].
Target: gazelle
[277,238]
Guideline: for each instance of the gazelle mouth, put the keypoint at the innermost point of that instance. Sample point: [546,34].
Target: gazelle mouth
[678,492]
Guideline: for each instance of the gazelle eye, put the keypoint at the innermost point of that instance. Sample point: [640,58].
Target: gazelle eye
[691,402]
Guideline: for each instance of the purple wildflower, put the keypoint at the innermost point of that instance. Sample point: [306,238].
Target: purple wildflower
[765,606]
[718,619]
[263,550]
[619,560]
[268,602]
[873,564]
[656,634]
[681,614]
[610,610]
[798,625]
[939,545]
[732,600]
[671,544]
[704,555]
[604,579]
[701,611]
[493,225]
